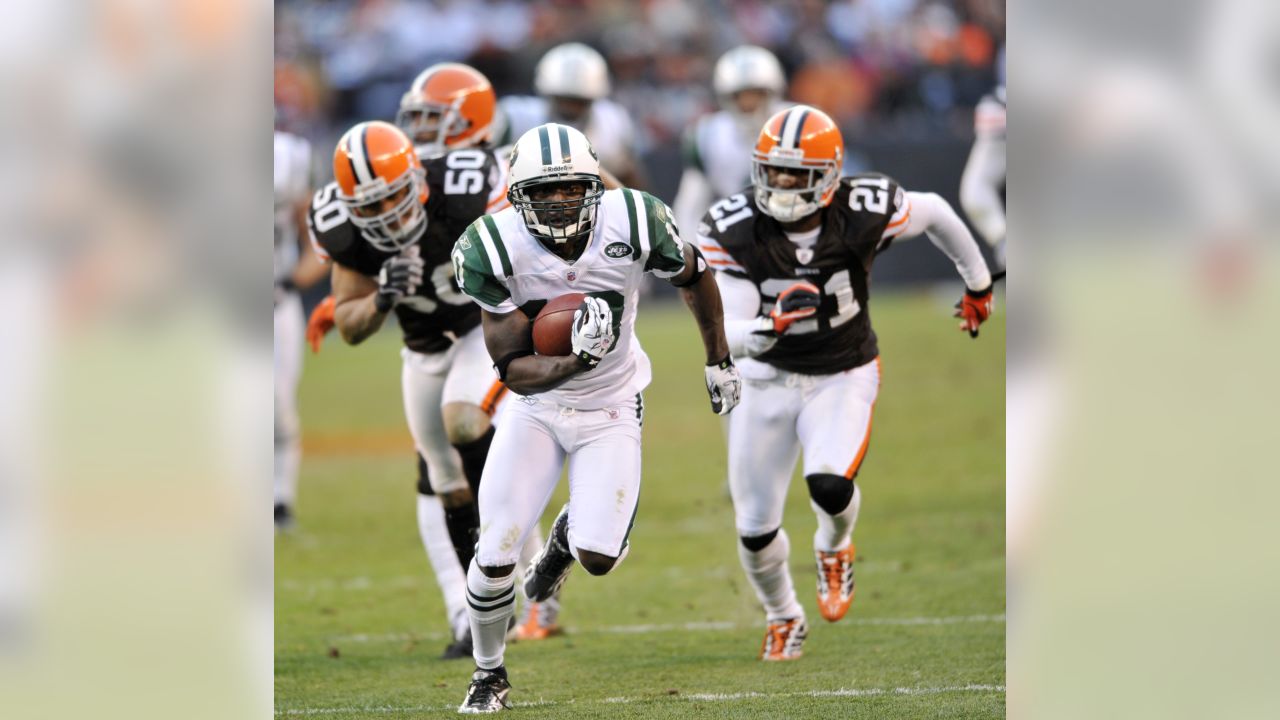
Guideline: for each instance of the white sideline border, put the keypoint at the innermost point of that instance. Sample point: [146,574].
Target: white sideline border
[692,697]
[679,627]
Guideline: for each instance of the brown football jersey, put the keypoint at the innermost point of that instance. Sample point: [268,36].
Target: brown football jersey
[461,183]
[867,212]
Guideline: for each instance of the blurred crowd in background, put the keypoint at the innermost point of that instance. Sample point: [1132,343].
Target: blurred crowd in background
[898,69]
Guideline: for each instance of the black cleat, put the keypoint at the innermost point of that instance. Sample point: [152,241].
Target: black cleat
[549,569]
[487,693]
[458,649]
[284,517]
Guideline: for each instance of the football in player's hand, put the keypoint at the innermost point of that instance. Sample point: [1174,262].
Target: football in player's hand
[553,327]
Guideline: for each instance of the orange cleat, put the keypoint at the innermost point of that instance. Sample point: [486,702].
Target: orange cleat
[783,639]
[539,621]
[835,582]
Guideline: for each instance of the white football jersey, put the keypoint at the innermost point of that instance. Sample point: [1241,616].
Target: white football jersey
[608,128]
[504,269]
[292,184]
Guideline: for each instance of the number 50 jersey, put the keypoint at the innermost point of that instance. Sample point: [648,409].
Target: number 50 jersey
[464,185]
[868,211]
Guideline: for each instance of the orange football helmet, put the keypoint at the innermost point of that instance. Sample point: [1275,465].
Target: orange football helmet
[449,106]
[803,148]
[383,185]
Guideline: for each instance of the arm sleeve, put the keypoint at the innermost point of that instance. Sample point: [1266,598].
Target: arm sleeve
[929,213]
[475,277]
[742,319]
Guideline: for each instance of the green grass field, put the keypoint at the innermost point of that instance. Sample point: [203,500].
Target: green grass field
[675,630]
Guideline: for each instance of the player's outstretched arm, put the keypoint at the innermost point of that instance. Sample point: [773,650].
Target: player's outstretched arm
[698,287]
[509,339]
[930,214]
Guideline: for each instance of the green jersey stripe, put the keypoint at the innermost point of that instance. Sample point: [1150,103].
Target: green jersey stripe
[497,242]
[473,235]
[635,230]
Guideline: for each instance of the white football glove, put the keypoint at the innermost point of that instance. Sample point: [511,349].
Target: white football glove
[592,331]
[724,384]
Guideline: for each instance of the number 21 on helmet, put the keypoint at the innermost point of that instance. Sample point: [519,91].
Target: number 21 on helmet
[383,185]
[801,141]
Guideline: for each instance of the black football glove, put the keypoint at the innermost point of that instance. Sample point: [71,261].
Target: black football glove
[400,277]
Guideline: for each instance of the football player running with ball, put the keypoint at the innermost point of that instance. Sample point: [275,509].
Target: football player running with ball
[563,234]
[793,260]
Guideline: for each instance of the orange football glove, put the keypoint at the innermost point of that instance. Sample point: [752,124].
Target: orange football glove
[974,308]
[321,323]
[796,302]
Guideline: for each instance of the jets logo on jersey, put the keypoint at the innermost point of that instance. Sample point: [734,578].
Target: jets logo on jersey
[617,250]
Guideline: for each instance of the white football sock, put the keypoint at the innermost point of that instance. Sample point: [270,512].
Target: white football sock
[769,574]
[444,562]
[490,603]
[834,531]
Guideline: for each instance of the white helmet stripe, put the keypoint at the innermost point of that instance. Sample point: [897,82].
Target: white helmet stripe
[791,127]
[358,153]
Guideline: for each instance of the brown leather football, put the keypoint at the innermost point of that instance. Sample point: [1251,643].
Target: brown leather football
[553,327]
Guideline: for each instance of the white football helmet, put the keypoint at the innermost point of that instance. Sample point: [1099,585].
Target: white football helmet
[747,67]
[553,154]
[572,70]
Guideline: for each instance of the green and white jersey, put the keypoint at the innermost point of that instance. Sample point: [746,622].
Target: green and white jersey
[504,269]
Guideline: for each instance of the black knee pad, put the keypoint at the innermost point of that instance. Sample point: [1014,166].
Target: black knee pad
[832,493]
[758,542]
[424,481]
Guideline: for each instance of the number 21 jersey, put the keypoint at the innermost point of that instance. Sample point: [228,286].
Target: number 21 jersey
[868,211]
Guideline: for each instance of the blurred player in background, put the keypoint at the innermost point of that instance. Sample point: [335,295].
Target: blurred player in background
[388,224]
[296,267]
[793,260]
[749,85]
[566,233]
[982,187]
[572,82]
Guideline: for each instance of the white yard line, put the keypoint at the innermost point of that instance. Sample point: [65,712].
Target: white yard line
[694,697]
[680,627]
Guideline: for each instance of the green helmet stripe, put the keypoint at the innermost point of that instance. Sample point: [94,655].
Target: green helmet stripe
[545,138]
[565,156]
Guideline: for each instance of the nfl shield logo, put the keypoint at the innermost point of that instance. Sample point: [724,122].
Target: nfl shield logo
[804,255]
[571,275]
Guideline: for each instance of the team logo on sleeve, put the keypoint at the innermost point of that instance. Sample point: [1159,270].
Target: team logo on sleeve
[617,250]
